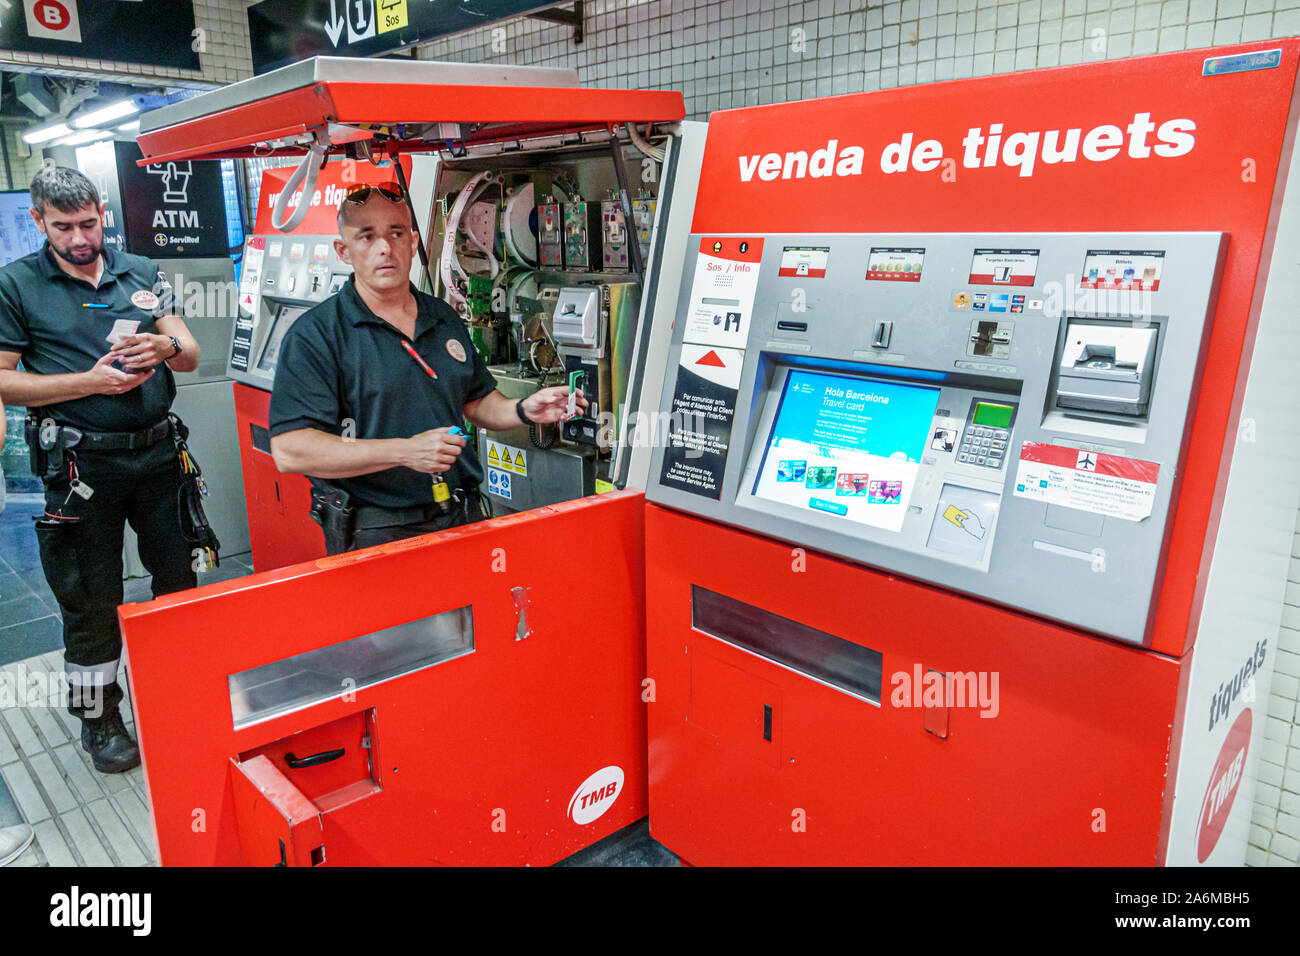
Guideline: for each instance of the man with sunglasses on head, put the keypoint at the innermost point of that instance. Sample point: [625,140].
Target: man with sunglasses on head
[372,387]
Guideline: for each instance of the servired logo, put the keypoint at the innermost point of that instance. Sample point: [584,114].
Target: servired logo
[596,795]
[1222,788]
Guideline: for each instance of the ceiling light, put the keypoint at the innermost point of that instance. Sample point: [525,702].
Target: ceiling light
[131,127]
[107,114]
[46,133]
[85,136]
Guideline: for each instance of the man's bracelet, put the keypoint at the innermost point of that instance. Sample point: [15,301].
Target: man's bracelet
[519,410]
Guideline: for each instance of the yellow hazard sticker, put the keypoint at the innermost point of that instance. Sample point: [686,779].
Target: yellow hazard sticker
[507,458]
[603,486]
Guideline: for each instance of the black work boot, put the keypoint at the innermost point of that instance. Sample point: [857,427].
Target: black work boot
[110,747]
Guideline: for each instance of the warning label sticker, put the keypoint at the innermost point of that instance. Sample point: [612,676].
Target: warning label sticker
[1103,484]
[507,458]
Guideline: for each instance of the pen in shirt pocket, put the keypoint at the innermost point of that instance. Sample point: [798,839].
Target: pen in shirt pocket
[94,305]
[416,355]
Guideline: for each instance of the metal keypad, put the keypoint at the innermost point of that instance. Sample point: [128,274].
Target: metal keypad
[983,447]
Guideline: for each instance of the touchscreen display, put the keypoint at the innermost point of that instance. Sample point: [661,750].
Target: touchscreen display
[846,446]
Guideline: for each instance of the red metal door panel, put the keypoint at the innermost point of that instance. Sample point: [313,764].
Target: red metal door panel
[280,531]
[480,754]
[277,824]
[1067,768]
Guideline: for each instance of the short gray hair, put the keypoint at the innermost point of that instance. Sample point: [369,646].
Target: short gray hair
[64,188]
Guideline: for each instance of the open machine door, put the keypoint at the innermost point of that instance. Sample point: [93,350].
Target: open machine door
[473,696]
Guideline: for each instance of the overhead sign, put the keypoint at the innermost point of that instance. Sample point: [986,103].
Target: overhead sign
[150,32]
[286,31]
[171,210]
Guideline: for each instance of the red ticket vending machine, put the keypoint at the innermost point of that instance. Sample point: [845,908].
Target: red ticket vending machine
[473,696]
[983,441]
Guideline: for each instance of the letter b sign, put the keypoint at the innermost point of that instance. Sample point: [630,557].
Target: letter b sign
[52,14]
[52,20]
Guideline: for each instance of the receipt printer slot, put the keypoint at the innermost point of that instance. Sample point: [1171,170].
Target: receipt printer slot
[1107,368]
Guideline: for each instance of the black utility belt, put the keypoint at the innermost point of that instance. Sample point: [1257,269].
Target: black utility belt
[67,436]
[368,517]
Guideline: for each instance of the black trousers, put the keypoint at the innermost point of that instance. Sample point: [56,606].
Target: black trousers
[81,554]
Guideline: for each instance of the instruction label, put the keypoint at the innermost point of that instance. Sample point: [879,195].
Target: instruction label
[699,430]
[1109,485]
[722,293]
[499,483]
[1004,267]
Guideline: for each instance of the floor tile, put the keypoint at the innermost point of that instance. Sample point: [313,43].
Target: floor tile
[24,734]
[58,797]
[53,845]
[133,809]
[85,839]
[48,725]
[119,838]
[78,770]
[21,641]
[13,587]
[23,788]
[23,609]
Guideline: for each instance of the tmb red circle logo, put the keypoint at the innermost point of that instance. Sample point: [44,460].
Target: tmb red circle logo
[1224,780]
[52,15]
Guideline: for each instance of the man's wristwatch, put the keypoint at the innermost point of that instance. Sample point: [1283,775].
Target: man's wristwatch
[519,410]
[176,347]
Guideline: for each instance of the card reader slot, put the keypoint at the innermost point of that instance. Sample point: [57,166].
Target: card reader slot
[784,326]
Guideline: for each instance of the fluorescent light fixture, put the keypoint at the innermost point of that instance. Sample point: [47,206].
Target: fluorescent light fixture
[46,133]
[106,114]
[85,136]
[131,127]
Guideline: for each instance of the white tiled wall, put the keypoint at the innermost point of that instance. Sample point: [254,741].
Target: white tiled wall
[1275,835]
[742,52]
[22,167]
[221,36]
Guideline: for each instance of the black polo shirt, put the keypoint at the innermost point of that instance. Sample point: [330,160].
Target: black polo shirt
[59,325]
[343,370]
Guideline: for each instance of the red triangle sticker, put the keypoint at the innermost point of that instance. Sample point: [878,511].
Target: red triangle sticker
[711,358]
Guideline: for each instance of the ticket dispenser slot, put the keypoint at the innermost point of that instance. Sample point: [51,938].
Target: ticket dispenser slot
[1107,368]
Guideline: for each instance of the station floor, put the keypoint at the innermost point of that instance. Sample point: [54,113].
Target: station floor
[85,818]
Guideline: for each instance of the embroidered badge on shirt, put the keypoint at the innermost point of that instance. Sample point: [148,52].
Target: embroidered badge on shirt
[456,350]
[144,299]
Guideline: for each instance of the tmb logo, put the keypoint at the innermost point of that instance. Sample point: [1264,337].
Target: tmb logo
[1224,780]
[596,795]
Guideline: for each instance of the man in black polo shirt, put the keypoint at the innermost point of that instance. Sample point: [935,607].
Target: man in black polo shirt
[92,328]
[372,385]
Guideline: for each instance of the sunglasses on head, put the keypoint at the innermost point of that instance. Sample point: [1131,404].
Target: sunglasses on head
[360,194]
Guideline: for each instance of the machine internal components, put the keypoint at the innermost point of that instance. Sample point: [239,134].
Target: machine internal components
[582,237]
[550,236]
[643,220]
[614,236]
